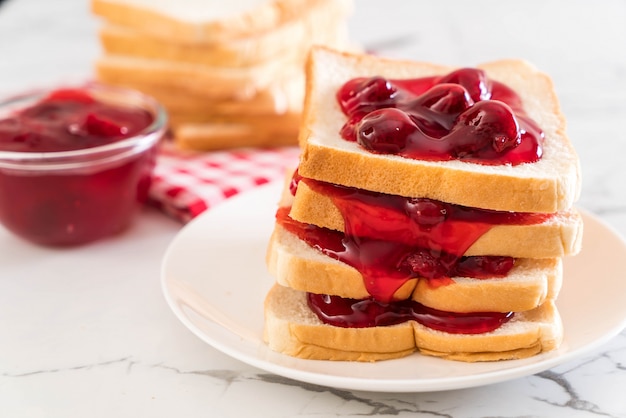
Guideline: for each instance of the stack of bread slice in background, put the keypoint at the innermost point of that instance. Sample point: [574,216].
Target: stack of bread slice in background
[545,190]
[229,73]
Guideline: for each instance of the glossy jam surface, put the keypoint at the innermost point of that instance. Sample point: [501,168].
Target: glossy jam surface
[387,265]
[391,239]
[463,115]
[354,313]
[94,198]
[421,222]
[69,120]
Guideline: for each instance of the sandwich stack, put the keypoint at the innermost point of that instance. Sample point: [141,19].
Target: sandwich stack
[430,212]
[229,73]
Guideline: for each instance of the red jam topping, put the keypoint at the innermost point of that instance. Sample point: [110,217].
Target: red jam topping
[423,222]
[70,206]
[462,115]
[387,265]
[354,313]
[69,120]
[390,239]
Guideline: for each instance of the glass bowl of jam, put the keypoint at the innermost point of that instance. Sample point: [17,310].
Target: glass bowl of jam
[76,163]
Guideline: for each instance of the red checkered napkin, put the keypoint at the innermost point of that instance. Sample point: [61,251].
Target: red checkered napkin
[186,184]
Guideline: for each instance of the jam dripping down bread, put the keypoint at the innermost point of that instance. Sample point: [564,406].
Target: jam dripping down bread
[430,211]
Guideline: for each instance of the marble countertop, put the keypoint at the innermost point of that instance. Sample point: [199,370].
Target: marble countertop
[85,332]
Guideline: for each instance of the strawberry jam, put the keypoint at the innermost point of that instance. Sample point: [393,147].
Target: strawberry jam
[463,115]
[355,313]
[390,239]
[69,120]
[74,168]
[423,222]
[386,265]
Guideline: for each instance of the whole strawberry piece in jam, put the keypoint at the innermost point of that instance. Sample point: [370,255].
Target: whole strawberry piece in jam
[437,109]
[485,266]
[487,127]
[363,95]
[474,80]
[430,264]
[446,98]
[425,212]
[72,96]
[348,130]
[101,127]
[385,131]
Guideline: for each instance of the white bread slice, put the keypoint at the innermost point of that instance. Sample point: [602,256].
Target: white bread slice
[293,329]
[527,334]
[323,25]
[549,185]
[202,20]
[217,135]
[531,282]
[210,81]
[282,96]
[286,122]
[558,236]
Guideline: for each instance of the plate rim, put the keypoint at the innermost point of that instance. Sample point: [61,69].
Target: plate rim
[541,362]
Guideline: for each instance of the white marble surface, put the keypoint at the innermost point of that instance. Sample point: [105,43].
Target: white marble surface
[86,332]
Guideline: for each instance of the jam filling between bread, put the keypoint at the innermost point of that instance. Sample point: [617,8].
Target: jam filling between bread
[382,279]
[355,313]
[463,115]
[391,239]
[386,265]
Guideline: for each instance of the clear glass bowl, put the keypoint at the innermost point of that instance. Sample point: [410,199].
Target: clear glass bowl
[78,196]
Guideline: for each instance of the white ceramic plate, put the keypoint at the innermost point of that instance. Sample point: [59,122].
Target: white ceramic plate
[214,279]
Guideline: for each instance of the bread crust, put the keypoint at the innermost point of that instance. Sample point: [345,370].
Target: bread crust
[291,328]
[282,96]
[549,185]
[121,41]
[285,122]
[269,118]
[513,340]
[323,24]
[162,25]
[556,237]
[214,82]
[530,283]
[307,337]
[214,136]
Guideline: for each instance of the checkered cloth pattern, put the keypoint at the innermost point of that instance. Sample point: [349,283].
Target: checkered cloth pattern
[186,184]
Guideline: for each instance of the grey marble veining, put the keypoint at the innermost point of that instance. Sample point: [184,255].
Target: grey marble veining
[81,347]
